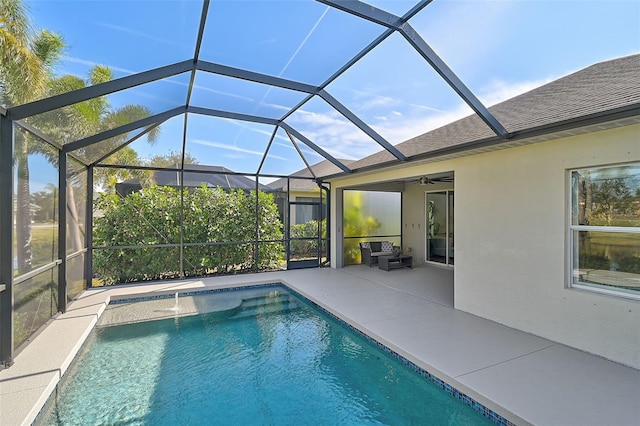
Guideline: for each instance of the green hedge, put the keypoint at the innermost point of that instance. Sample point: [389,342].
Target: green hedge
[153,216]
[307,248]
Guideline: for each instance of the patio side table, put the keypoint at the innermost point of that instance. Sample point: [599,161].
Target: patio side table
[394,262]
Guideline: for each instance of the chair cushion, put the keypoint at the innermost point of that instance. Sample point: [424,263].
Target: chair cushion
[376,246]
[386,246]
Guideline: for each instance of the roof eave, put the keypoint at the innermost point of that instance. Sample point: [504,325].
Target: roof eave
[609,116]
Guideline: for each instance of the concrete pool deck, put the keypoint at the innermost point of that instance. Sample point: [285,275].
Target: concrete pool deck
[524,378]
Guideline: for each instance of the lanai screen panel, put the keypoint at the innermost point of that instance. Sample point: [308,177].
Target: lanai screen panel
[283,158]
[395,91]
[240,96]
[160,147]
[85,119]
[35,233]
[524,45]
[331,131]
[36,203]
[298,40]
[127,36]
[76,206]
[76,216]
[397,7]
[235,145]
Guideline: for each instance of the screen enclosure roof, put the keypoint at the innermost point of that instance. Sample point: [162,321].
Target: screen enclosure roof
[257,87]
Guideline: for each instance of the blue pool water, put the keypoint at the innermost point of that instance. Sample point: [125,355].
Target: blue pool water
[273,360]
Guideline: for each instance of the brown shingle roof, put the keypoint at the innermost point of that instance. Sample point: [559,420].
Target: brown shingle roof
[600,88]
[323,168]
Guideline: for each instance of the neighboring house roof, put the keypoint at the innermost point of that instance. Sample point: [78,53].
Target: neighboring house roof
[215,178]
[323,168]
[603,89]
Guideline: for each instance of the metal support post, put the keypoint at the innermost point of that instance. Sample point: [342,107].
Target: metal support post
[88,230]
[62,231]
[6,240]
[256,247]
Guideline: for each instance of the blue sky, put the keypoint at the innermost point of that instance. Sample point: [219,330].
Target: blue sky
[498,48]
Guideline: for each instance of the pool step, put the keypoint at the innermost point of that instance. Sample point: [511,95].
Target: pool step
[266,305]
[222,306]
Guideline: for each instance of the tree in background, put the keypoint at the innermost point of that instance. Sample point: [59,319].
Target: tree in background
[171,159]
[26,57]
[93,116]
[26,63]
[611,198]
[83,119]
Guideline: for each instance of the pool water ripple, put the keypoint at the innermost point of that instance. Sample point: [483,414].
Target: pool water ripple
[276,361]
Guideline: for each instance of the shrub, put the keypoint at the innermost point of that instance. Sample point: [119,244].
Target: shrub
[307,248]
[210,215]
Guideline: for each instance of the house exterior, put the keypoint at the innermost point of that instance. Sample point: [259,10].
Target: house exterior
[195,177]
[302,187]
[517,208]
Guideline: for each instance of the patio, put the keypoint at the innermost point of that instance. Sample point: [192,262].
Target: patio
[524,378]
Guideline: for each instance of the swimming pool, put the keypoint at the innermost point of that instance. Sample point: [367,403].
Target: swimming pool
[258,356]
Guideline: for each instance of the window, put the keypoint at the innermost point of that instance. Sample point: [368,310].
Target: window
[305,213]
[370,216]
[605,230]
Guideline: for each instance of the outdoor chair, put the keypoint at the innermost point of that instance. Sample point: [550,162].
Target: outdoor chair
[370,251]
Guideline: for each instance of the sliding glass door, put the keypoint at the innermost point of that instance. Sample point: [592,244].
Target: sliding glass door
[439,229]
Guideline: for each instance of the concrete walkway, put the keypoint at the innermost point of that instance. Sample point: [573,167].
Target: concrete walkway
[524,378]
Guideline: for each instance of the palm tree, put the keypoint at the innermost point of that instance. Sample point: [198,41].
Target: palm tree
[87,118]
[26,64]
[26,61]
[25,57]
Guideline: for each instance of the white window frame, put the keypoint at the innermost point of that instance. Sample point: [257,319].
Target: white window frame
[572,280]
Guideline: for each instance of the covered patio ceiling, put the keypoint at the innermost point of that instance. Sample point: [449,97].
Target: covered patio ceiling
[274,96]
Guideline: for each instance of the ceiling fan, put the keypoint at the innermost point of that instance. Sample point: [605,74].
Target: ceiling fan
[425,180]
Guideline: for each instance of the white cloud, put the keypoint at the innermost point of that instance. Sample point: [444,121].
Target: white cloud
[498,90]
[137,33]
[219,92]
[276,106]
[247,126]
[331,132]
[343,140]
[91,64]
[399,130]
[234,148]
[372,101]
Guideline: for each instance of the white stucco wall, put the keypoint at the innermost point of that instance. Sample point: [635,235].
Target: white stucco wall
[510,233]
[511,251]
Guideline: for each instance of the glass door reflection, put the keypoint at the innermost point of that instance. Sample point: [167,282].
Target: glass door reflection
[439,229]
